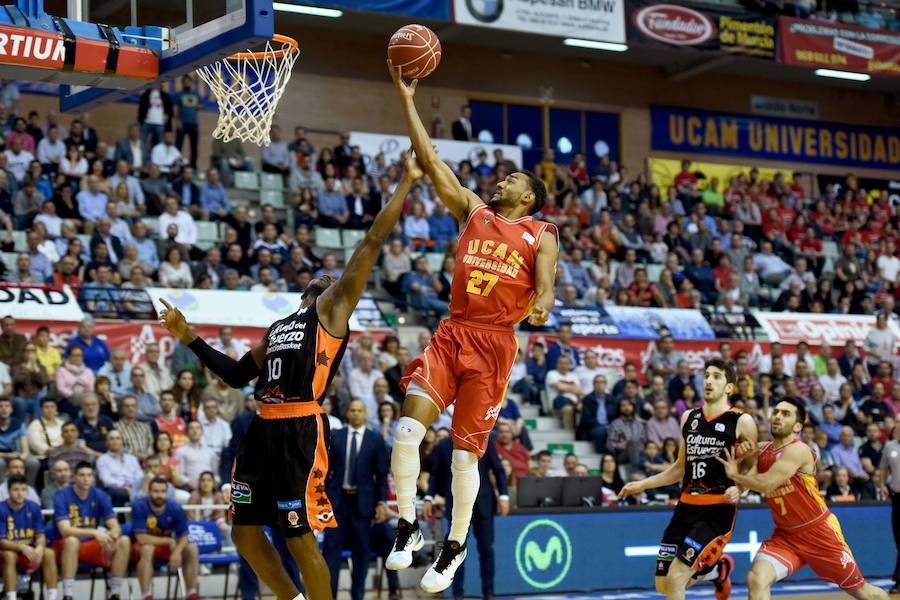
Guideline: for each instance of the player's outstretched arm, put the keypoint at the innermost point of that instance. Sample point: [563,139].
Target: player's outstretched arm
[337,303]
[458,199]
[670,476]
[791,460]
[545,278]
[235,373]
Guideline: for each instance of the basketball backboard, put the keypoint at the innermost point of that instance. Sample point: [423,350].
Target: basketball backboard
[196,33]
[102,50]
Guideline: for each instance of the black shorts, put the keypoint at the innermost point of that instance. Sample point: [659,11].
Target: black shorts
[697,535]
[278,477]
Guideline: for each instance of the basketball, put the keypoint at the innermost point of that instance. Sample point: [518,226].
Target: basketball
[416,50]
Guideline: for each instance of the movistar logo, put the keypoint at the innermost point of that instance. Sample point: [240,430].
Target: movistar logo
[543,554]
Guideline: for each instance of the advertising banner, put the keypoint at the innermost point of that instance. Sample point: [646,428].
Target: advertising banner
[453,151]
[664,170]
[813,43]
[39,303]
[602,20]
[784,107]
[632,322]
[702,28]
[429,9]
[251,309]
[816,329]
[560,553]
[792,140]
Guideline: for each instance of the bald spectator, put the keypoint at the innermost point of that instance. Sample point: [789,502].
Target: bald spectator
[195,457]
[92,200]
[137,436]
[118,371]
[96,352]
[147,403]
[60,476]
[92,426]
[157,376]
[845,455]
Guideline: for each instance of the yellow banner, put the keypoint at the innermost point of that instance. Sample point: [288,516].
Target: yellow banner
[664,170]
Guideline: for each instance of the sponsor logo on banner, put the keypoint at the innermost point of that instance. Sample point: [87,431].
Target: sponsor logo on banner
[677,25]
[784,107]
[815,329]
[811,43]
[602,20]
[39,303]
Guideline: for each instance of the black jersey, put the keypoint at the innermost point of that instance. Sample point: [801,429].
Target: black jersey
[704,439]
[301,359]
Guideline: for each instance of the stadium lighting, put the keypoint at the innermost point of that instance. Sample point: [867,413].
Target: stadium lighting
[594,45]
[843,75]
[302,9]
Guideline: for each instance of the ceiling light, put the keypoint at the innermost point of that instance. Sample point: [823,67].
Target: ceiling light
[595,45]
[843,75]
[302,9]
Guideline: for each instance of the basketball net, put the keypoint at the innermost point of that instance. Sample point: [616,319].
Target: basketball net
[248,86]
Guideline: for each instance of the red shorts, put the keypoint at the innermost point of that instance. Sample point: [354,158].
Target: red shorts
[821,546]
[160,553]
[90,551]
[468,363]
[26,565]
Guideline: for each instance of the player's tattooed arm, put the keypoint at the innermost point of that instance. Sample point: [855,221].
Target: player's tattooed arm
[458,199]
[791,460]
[545,277]
[337,303]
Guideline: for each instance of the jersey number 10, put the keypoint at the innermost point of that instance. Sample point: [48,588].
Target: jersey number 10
[274,368]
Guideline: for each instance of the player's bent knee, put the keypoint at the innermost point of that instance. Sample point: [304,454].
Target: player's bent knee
[191,550]
[463,460]
[71,543]
[147,551]
[9,555]
[410,431]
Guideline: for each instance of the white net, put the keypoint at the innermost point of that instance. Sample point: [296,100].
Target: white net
[247,87]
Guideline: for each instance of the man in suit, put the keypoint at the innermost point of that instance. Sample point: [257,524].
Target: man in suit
[462,127]
[357,488]
[487,504]
[359,206]
[132,150]
[597,409]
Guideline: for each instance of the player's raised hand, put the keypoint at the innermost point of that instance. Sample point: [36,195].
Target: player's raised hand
[172,319]
[412,170]
[632,488]
[729,462]
[538,316]
[406,90]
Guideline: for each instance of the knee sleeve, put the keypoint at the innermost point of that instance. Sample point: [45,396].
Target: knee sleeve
[409,432]
[463,460]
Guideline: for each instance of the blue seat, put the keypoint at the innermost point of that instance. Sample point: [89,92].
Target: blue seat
[208,539]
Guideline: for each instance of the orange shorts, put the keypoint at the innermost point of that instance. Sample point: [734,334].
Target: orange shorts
[90,551]
[467,363]
[160,553]
[821,546]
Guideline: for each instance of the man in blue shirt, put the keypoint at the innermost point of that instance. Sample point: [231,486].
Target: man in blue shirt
[96,352]
[421,286]
[13,443]
[92,200]
[442,226]
[161,533]
[79,511]
[213,199]
[333,211]
[186,103]
[22,539]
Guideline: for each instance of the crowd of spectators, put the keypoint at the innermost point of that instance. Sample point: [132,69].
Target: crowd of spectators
[874,15]
[722,247]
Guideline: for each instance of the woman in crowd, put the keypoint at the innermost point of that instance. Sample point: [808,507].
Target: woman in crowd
[170,465]
[30,381]
[388,413]
[387,357]
[207,494]
[186,395]
[174,272]
[612,481]
[108,405]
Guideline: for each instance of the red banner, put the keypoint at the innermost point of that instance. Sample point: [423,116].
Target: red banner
[838,46]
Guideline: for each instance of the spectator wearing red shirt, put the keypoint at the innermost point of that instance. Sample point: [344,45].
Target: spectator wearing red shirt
[169,420]
[810,247]
[642,292]
[507,447]
[884,375]
[786,214]
[872,234]
[723,272]
[553,213]
[578,171]
[796,189]
[686,184]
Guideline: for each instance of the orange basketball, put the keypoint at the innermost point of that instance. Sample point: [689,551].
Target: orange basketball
[416,50]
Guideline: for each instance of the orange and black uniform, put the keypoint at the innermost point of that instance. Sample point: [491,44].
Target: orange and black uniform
[703,520]
[806,532]
[279,471]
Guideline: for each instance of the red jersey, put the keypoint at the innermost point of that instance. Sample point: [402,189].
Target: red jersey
[493,283]
[797,503]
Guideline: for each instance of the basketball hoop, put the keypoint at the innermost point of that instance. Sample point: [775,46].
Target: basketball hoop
[248,86]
